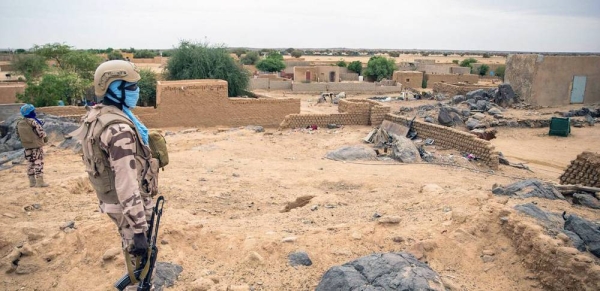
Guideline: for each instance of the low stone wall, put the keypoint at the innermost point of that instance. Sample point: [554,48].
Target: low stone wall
[456,89]
[349,77]
[7,110]
[447,137]
[584,170]
[259,83]
[280,85]
[309,87]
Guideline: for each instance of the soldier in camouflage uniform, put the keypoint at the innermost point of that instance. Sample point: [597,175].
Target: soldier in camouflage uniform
[33,137]
[117,157]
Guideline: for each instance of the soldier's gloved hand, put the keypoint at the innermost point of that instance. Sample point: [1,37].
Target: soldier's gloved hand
[45,139]
[140,245]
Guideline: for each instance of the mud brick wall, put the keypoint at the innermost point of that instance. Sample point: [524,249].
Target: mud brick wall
[450,78]
[349,76]
[259,83]
[446,137]
[280,85]
[455,89]
[322,120]
[378,113]
[309,87]
[584,170]
[201,103]
[8,93]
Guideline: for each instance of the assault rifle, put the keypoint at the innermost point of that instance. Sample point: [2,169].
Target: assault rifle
[412,133]
[144,267]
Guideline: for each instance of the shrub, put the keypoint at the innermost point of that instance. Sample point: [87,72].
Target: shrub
[483,69]
[29,65]
[468,62]
[296,53]
[81,62]
[250,58]
[114,55]
[67,86]
[486,56]
[455,62]
[355,66]
[341,63]
[424,83]
[147,85]
[273,63]
[394,54]
[144,54]
[201,61]
[380,67]
[500,72]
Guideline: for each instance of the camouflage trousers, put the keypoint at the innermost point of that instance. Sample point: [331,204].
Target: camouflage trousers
[115,213]
[35,161]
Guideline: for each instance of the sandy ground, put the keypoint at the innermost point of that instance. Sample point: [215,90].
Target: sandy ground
[225,190]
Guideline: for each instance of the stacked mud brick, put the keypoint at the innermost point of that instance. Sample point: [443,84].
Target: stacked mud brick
[352,112]
[455,89]
[585,170]
[446,137]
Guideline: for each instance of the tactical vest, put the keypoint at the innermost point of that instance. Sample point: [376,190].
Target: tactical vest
[28,136]
[97,162]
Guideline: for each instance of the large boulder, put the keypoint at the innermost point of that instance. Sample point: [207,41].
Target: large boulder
[476,94]
[458,99]
[165,275]
[587,200]
[382,272]
[404,150]
[473,123]
[449,116]
[588,231]
[505,96]
[530,188]
[352,153]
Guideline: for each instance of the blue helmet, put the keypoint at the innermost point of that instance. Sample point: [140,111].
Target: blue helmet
[26,109]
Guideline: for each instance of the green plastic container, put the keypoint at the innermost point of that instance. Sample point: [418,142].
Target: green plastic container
[560,126]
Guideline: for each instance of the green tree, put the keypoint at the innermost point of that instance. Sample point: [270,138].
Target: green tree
[296,53]
[115,55]
[202,61]
[66,86]
[483,69]
[342,63]
[52,51]
[273,63]
[380,67]
[355,66]
[425,54]
[468,62]
[394,54]
[455,62]
[486,56]
[239,51]
[147,85]
[82,63]
[31,66]
[500,72]
[424,83]
[250,58]
[144,54]
[445,54]
[289,50]
[20,51]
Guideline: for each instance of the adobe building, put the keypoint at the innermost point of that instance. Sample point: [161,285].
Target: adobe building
[554,80]
[9,91]
[410,79]
[329,74]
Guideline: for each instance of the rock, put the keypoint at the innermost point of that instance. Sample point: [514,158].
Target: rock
[356,235]
[289,239]
[389,220]
[429,119]
[299,259]
[202,284]
[111,253]
[586,230]
[530,188]
[352,153]
[444,117]
[23,269]
[475,94]
[482,105]
[473,123]
[488,252]
[586,200]
[165,275]
[405,151]
[458,99]
[487,259]
[384,272]
[255,128]
[398,239]
[236,175]
[577,242]
[68,224]
[26,250]
[505,96]
[9,215]
[254,257]
[494,111]
[546,218]
[479,116]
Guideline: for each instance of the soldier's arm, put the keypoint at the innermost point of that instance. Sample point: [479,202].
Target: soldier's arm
[37,128]
[119,142]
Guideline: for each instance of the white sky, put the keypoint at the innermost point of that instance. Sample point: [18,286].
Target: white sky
[506,25]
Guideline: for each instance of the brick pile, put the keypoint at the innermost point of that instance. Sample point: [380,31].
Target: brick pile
[446,137]
[584,170]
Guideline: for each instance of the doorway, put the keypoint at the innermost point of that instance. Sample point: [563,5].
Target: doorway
[578,89]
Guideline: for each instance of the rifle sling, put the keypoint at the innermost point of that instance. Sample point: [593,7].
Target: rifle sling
[130,266]
[147,266]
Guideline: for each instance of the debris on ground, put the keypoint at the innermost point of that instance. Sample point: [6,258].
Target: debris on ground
[529,188]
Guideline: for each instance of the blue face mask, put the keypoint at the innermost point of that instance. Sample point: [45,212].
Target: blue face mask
[132,94]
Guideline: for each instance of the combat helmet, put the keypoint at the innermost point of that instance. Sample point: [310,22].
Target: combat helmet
[111,71]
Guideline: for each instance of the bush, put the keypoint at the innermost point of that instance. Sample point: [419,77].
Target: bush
[147,85]
[380,67]
[486,56]
[201,61]
[394,54]
[455,62]
[29,65]
[355,66]
[468,62]
[341,63]
[115,55]
[483,69]
[425,54]
[500,72]
[296,53]
[81,62]
[66,86]
[273,63]
[424,83]
[250,58]
[239,52]
[144,54]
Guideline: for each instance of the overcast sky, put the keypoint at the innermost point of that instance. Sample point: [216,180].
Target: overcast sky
[509,25]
